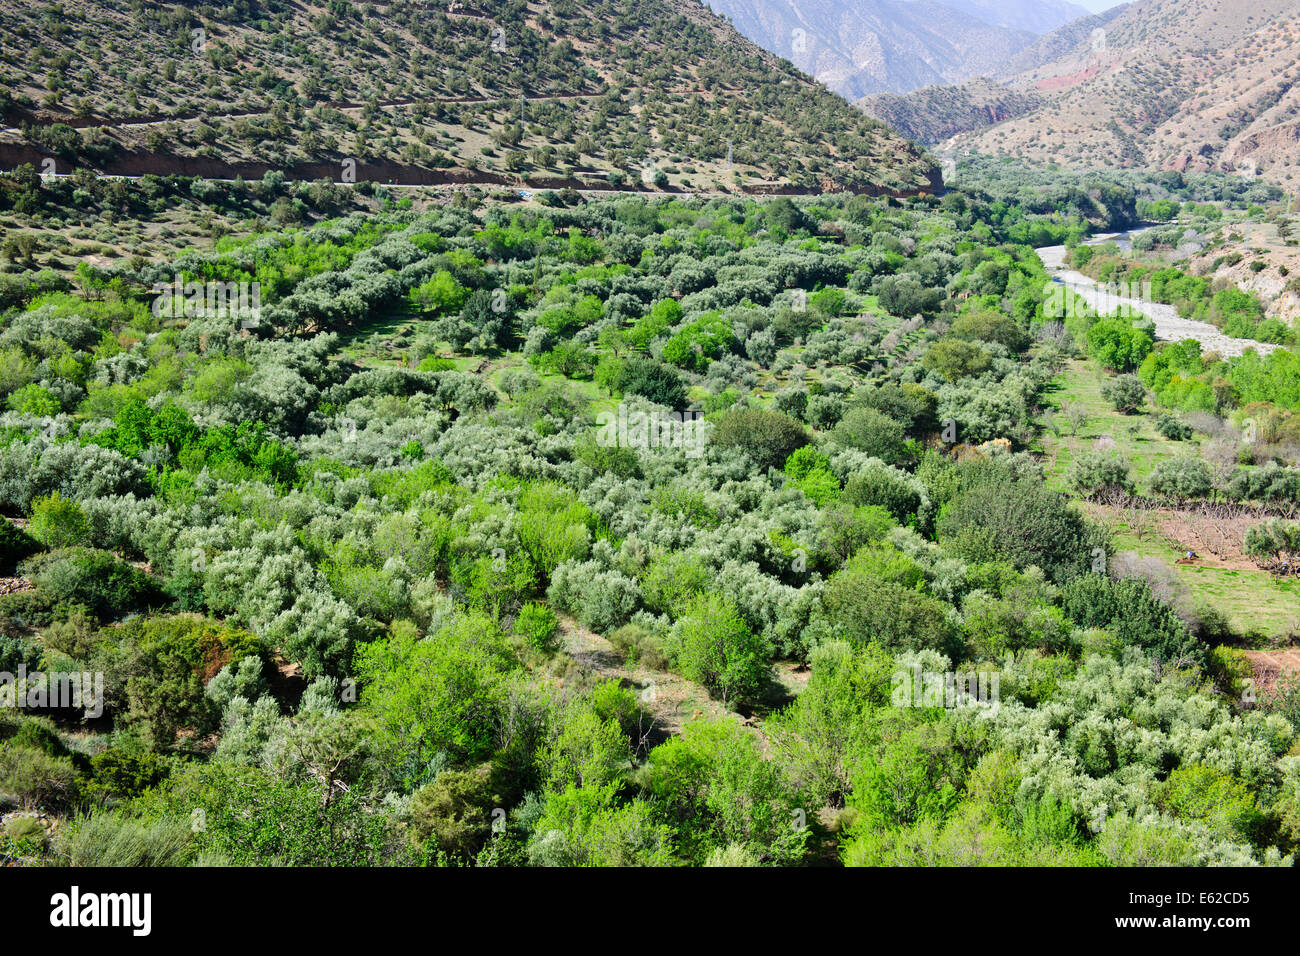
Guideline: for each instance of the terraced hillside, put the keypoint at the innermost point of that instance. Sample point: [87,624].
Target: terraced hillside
[652,94]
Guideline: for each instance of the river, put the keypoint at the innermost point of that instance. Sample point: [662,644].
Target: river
[1170,326]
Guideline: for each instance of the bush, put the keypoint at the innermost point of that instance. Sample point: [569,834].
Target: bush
[1182,478]
[634,642]
[908,403]
[824,411]
[36,778]
[16,652]
[1116,344]
[890,488]
[114,839]
[862,609]
[15,546]
[1100,471]
[95,579]
[1133,612]
[700,342]
[712,645]
[162,664]
[872,432]
[905,297]
[58,522]
[121,773]
[652,380]
[536,623]
[1170,427]
[791,401]
[1272,539]
[35,400]
[444,692]
[455,811]
[1125,392]
[767,438]
[952,359]
[1021,522]
[990,327]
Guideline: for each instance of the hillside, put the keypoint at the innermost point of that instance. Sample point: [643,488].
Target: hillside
[895,46]
[656,94]
[1036,16]
[936,113]
[876,46]
[1191,85]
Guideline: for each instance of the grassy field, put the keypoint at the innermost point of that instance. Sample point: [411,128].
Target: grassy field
[1134,435]
[1251,600]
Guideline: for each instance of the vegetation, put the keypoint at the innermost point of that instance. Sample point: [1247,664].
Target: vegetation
[375,581]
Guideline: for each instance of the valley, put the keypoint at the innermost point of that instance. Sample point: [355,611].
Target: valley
[551,434]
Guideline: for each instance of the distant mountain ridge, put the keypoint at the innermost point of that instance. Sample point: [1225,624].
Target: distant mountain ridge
[1191,85]
[863,47]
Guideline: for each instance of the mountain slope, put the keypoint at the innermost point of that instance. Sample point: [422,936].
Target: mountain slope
[874,46]
[1036,16]
[1177,84]
[937,113]
[1057,44]
[572,92]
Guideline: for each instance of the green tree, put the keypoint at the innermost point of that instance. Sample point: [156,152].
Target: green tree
[956,358]
[712,645]
[58,522]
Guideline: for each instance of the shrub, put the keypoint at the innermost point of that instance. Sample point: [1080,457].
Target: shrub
[861,608]
[444,692]
[652,380]
[905,297]
[1117,344]
[58,522]
[988,326]
[1270,539]
[712,645]
[824,411]
[536,623]
[35,400]
[636,643]
[97,580]
[455,811]
[1133,612]
[908,403]
[1170,427]
[952,359]
[15,545]
[122,773]
[1182,478]
[162,664]
[872,432]
[1099,471]
[811,470]
[767,438]
[1125,392]
[700,342]
[115,839]
[890,488]
[36,778]
[792,402]
[1022,522]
